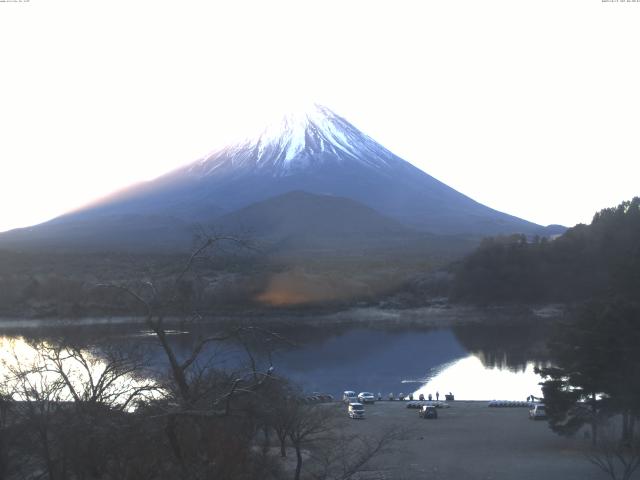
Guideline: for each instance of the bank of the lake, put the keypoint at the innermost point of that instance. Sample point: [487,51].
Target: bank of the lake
[440,315]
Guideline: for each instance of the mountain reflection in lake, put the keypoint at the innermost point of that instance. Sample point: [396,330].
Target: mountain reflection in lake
[475,362]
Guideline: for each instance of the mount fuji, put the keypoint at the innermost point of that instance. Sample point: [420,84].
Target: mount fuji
[341,176]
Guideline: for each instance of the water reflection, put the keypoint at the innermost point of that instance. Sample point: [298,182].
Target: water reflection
[504,348]
[372,360]
[41,371]
[470,379]
[474,362]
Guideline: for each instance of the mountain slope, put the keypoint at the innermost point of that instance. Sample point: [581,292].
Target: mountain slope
[321,215]
[109,232]
[319,152]
[304,221]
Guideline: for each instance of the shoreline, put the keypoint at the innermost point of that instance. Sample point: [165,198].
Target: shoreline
[433,316]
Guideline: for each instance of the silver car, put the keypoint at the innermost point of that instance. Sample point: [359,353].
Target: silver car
[366,397]
[356,410]
[349,396]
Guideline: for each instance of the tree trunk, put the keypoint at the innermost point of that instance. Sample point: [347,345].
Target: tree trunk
[594,421]
[4,457]
[170,430]
[44,438]
[176,370]
[299,462]
[283,443]
[267,441]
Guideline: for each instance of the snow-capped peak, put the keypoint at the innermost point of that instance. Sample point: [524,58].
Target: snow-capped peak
[297,140]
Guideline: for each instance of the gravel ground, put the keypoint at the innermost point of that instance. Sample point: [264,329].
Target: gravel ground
[472,441]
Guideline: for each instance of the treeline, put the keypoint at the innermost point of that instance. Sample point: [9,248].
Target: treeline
[67,285]
[596,260]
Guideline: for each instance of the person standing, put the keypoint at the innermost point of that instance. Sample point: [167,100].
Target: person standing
[437,396]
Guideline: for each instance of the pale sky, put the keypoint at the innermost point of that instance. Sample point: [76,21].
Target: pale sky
[530,107]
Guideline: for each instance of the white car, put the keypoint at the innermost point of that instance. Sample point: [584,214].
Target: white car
[366,397]
[537,412]
[349,396]
[356,410]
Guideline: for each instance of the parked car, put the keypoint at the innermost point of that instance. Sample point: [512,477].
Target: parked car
[356,410]
[366,397]
[428,412]
[349,396]
[537,412]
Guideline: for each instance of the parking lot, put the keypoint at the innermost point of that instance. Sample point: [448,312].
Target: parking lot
[471,441]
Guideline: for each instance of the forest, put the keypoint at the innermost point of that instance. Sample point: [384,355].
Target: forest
[590,385]
[597,260]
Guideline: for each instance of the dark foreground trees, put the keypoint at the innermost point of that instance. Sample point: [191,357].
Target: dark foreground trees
[619,460]
[75,413]
[55,424]
[597,372]
[596,383]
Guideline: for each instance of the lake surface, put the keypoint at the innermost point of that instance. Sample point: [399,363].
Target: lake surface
[472,362]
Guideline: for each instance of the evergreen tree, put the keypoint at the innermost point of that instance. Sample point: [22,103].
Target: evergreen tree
[597,372]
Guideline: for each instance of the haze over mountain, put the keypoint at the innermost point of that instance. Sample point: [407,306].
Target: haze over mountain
[316,154]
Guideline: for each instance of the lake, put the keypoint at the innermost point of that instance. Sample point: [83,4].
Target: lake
[473,362]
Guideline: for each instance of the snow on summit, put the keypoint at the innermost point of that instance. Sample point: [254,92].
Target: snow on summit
[298,140]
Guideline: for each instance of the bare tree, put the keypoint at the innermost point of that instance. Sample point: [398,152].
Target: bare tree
[110,377]
[37,395]
[5,434]
[201,398]
[283,401]
[619,459]
[344,456]
[308,425]
[316,433]
[70,403]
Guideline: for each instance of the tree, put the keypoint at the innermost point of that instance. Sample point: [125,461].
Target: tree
[308,423]
[619,459]
[71,405]
[343,456]
[208,412]
[597,372]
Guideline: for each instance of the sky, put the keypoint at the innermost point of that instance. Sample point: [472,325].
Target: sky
[532,108]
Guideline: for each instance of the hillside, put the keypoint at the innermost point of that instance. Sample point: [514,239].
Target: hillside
[314,151]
